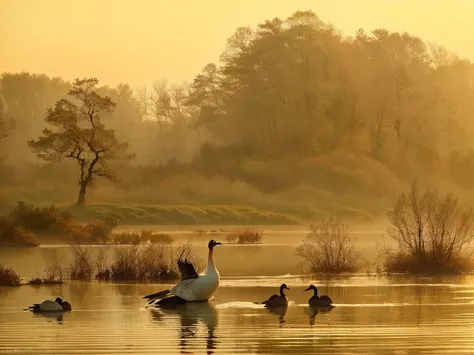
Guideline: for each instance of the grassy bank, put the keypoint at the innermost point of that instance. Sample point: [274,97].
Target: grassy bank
[183,215]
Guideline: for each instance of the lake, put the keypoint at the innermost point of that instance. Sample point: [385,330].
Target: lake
[373,314]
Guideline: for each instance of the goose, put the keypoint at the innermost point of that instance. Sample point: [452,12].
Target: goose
[323,301]
[277,300]
[51,306]
[193,287]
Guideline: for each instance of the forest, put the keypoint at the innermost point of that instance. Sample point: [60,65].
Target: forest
[293,123]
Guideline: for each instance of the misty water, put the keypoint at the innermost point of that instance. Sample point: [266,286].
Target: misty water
[373,314]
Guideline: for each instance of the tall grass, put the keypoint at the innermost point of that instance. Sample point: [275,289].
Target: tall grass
[245,236]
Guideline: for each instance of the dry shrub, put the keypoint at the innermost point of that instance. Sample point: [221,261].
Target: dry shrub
[434,233]
[329,247]
[8,277]
[156,238]
[94,232]
[245,236]
[15,235]
[126,238]
[54,275]
[81,268]
[148,262]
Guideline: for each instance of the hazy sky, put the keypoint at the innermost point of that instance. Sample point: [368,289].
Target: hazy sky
[142,41]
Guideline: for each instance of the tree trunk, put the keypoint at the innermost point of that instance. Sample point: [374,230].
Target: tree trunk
[82,195]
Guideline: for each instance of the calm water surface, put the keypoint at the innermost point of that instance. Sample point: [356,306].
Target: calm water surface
[373,315]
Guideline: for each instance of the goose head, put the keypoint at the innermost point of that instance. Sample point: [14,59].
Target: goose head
[213,243]
[283,287]
[312,287]
[59,300]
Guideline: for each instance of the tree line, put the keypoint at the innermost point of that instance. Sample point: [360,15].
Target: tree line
[291,103]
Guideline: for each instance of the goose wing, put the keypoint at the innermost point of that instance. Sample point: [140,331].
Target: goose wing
[187,270]
[272,298]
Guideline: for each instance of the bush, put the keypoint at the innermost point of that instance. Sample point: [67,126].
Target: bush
[8,277]
[94,232]
[126,238]
[156,238]
[329,247]
[46,220]
[14,235]
[433,233]
[81,268]
[245,236]
[148,263]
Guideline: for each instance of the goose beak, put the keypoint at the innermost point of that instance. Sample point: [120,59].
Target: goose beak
[287,288]
[218,243]
[309,288]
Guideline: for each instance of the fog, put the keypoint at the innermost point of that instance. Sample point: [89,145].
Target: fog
[319,111]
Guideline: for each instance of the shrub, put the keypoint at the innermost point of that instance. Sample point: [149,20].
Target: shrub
[433,233]
[329,247]
[94,232]
[148,263]
[8,277]
[126,238]
[245,236]
[14,235]
[46,220]
[81,268]
[156,238]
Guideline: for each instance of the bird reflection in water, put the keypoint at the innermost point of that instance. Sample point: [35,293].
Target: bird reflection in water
[313,311]
[51,315]
[281,312]
[190,314]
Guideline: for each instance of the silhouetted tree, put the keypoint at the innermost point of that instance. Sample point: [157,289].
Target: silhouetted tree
[79,134]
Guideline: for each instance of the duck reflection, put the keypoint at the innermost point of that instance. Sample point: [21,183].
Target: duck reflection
[58,316]
[281,312]
[190,314]
[313,311]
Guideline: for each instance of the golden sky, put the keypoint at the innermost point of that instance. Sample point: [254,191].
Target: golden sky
[142,41]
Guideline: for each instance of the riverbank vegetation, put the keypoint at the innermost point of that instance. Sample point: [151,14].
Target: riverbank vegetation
[296,124]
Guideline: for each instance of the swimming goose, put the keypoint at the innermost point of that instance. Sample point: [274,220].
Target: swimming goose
[277,300]
[193,286]
[323,301]
[51,306]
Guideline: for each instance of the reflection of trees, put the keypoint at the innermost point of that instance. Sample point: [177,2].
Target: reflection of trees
[190,314]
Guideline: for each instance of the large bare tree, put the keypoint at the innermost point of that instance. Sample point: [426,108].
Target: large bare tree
[78,133]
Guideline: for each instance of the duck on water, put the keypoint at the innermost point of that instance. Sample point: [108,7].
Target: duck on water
[276,300]
[58,305]
[193,287]
[316,301]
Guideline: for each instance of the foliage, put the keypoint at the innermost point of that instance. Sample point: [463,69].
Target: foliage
[81,267]
[433,233]
[296,119]
[54,275]
[81,135]
[245,236]
[15,235]
[329,247]
[8,277]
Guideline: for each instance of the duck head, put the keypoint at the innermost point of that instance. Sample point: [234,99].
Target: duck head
[213,243]
[283,287]
[312,287]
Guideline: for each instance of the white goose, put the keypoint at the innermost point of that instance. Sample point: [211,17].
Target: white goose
[193,287]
